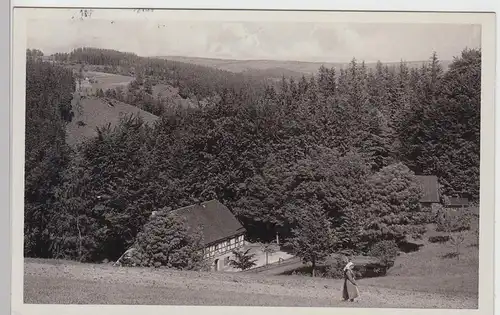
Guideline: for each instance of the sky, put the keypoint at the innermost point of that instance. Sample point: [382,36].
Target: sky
[273,40]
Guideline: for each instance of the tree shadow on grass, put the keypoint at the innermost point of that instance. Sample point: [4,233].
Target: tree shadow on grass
[409,247]
[450,255]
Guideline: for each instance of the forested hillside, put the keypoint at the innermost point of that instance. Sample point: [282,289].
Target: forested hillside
[48,108]
[278,68]
[193,81]
[338,151]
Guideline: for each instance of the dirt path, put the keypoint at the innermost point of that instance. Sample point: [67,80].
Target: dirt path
[96,284]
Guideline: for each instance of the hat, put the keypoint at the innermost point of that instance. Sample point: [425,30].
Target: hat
[348,266]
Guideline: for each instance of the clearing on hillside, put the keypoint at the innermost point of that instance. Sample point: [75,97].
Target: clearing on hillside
[171,94]
[106,81]
[92,112]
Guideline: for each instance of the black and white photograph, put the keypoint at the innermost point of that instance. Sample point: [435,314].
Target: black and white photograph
[235,159]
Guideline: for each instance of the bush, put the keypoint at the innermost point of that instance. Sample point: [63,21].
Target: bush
[243,260]
[131,258]
[456,241]
[386,252]
[454,221]
[336,269]
[439,239]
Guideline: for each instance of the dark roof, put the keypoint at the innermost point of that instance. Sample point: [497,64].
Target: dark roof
[456,201]
[215,220]
[430,187]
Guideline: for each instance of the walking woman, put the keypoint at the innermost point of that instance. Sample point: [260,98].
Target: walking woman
[350,291]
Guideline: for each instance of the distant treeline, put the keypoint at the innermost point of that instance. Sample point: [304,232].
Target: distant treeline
[335,152]
[193,81]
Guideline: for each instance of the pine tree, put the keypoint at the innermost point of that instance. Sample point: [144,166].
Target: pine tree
[351,229]
[242,260]
[394,210]
[439,134]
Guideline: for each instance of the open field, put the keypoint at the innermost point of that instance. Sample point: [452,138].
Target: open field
[64,283]
[108,80]
[429,269]
[422,279]
[93,112]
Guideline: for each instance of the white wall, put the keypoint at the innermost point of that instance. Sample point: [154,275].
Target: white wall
[224,247]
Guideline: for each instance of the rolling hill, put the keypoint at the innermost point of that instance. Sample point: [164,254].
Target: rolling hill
[92,112]
[277,68]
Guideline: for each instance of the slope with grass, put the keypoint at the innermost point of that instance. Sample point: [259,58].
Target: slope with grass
[73,283]
[96,80]
[92,112]
[106,81]
[421,279]
[431,267]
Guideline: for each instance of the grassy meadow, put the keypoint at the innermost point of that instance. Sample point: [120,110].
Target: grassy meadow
[422,279]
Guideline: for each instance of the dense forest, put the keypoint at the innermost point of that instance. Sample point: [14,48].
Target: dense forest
[48,109]
[335,153]
[193,81]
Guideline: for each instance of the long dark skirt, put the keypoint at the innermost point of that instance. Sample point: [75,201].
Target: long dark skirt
[350,291]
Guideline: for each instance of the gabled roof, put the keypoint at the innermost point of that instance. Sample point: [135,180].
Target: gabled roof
[215,220]
[430,188]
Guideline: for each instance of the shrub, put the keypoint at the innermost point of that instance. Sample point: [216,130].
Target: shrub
[456,241]
[454,221]
[436,211]
[336,269]
[131,258]
[242,260]
[439,239]
[386,252]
